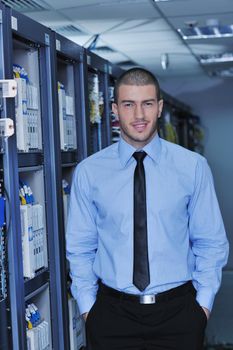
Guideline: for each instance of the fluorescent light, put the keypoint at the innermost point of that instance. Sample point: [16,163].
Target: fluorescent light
[219,58]
[206,32]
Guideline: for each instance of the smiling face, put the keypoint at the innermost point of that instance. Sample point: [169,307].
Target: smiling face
[138,110]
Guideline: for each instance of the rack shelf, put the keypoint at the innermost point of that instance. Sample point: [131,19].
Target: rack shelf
[68,157]
[30,159]
[34,284]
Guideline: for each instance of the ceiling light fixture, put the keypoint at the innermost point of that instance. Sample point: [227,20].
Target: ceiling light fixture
[218,58]
[194,32]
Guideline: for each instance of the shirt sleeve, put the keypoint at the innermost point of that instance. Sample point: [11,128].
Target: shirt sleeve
[207,236]
[81,241]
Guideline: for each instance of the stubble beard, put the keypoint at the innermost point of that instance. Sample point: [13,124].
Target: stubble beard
[144,139]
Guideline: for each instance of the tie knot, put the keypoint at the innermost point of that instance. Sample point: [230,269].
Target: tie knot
[139,156]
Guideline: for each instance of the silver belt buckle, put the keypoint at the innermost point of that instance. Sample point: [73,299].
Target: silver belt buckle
[147,299]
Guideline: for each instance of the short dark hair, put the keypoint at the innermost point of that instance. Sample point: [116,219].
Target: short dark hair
[137,76]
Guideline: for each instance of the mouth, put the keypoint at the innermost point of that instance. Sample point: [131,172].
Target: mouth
[140,127]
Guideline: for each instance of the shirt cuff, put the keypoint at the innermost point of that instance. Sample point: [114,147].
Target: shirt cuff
[86,303]
[85,299]
[205,297]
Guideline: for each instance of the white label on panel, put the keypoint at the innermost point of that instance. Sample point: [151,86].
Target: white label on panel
[58,45]
[8,88]
[110,69]
[14,23]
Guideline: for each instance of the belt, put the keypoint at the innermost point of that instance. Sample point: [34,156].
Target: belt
[147,298]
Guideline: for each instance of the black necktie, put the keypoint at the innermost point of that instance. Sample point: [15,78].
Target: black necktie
[141,274]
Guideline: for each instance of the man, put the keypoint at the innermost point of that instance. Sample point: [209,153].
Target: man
[145,237]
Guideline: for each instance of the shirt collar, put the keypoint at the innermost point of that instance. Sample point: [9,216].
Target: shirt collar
[153,149]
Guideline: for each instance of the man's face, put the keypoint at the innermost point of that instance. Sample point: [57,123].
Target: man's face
[138,110]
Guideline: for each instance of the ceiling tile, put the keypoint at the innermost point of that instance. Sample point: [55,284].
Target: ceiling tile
[49,18]
[123,10]
[143,25]
[169,48]
[174,59]
[130,26]
[182,8]
[174,70]
[113,57]
[80,39]
[140,38]
[62,4]
[96,26]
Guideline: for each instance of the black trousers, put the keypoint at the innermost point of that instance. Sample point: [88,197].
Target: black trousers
[116,324]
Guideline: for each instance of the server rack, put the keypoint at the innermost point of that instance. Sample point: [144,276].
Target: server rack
[5,335]
[98,130]
[9,176]
[114,73]
[179,125]
[70,73]
[174,120]
[28,45]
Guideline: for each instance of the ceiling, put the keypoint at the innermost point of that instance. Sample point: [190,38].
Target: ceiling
[139,32]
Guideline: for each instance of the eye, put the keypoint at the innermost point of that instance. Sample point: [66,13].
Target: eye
[128,104]
[148,104]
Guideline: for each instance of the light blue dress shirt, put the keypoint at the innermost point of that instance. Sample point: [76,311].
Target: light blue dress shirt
[186,235]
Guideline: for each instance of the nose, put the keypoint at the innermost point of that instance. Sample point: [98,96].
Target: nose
[138,112]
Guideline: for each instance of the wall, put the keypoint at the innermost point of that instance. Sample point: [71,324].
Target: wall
[212,100]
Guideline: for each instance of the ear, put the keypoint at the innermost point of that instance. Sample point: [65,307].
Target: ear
[114,108]
[160,108]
